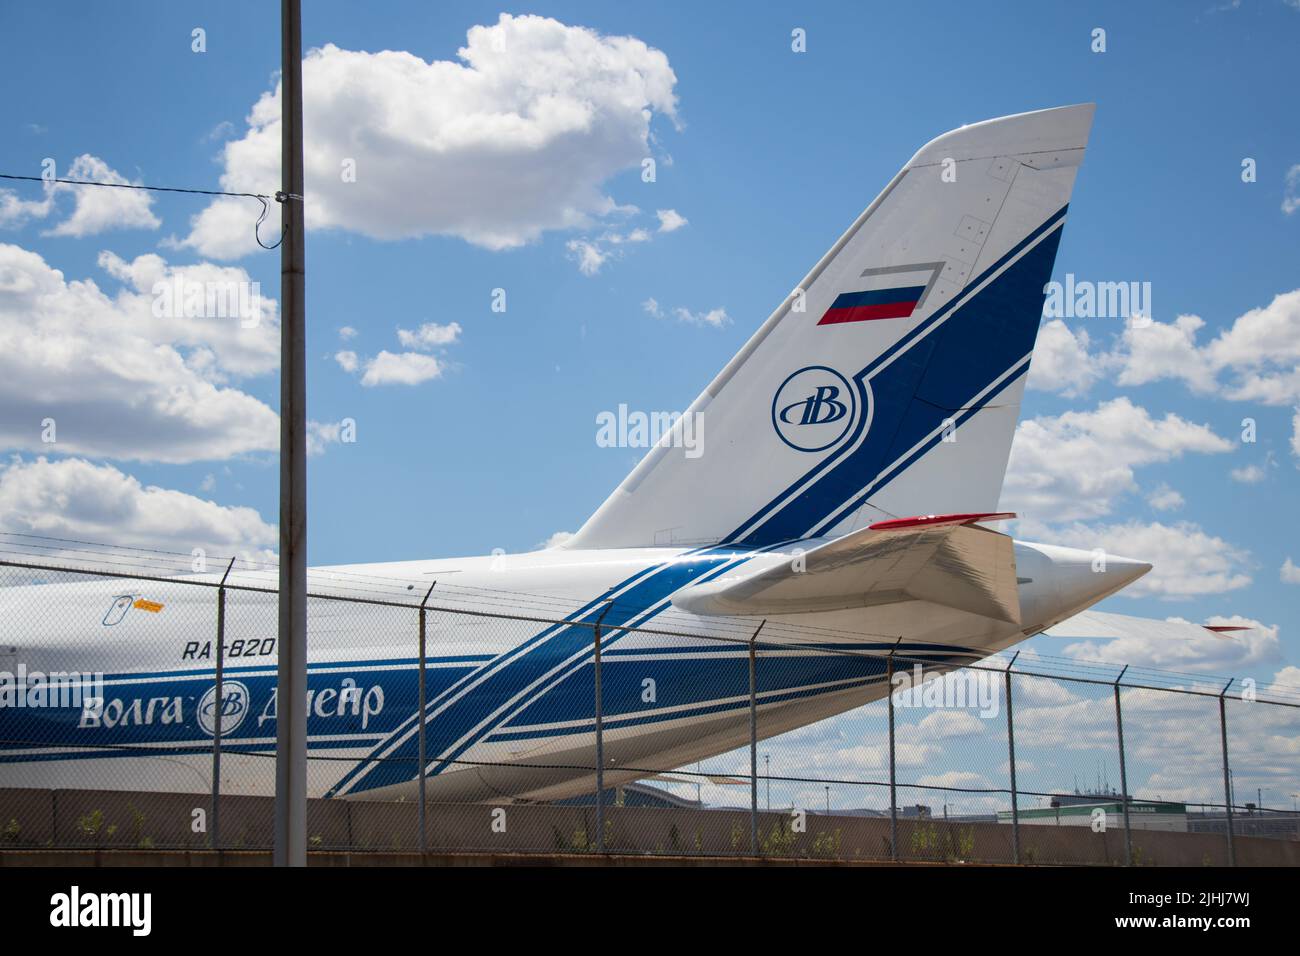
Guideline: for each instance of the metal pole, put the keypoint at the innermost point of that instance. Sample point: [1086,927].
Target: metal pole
[291,685]
[600,744]
[1227,775]
[1123,772]
[753,745]
[1011,757]
[219,702]
[423,702]
[893,792]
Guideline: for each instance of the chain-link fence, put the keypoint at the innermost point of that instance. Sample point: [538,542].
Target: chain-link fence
[139,711]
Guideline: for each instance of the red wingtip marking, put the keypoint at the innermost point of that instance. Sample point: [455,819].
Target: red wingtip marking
[1223,628]
[921,521]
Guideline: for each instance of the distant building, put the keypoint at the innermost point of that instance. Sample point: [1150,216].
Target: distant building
[1076,810]
[1276,826]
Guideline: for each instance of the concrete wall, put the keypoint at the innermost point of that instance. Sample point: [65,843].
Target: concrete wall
[103,819]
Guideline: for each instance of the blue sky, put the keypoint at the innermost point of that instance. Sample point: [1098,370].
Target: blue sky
[769,155]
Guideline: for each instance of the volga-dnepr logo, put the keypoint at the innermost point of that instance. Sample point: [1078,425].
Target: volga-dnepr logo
[813,409]
[235,704]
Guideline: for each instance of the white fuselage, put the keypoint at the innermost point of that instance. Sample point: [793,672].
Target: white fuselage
[510,704]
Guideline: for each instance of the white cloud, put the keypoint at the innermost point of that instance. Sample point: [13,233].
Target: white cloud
[223,130]
[516,137]
[404,368]
[322,434]
[347,333]
[15,211]
[429,335]
[589,256]
[100,208]
[75,499]
[1212,653]
[1291,192]
[556,540]
[1061,361]
[714,318]
[118,380]
[1186,561]
[1150,351]
[1165,498]
[670,220]
[1256,358]
[1077,464]
[1248,474]
[95,209]
[1289,572]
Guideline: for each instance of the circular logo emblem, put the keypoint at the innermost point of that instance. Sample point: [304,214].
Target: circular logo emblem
[235,704]
[813,408]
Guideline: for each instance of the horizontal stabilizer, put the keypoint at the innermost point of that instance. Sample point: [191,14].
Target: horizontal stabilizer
[1104,626]
[952,563]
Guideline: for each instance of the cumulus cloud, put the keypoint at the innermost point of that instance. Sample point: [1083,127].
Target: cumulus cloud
[591,254]
[95,209]
[74,499]
[588,255]
[430,335]
[1165,498]
[1289,573]
[516,137]
[1248,474]
[1256,358]
[400,368]
[404,368]
[1076,465]
[714,318]
[16,211]
[670,220]
[1208,653]
[1061,361]
[1291,190]
[556,540]
[116,378]
[1187,561]
[99,209]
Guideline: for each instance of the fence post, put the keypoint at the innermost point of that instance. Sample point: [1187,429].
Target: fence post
[600,743]
[1011,764]
[1123,772]
[219,703]
[1227,774]
[753,746]
[423,718]
[893,792]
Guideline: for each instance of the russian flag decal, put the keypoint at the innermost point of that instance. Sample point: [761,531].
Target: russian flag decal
[889,293]
[873,304]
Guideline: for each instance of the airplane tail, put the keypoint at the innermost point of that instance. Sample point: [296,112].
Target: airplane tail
[888,383]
